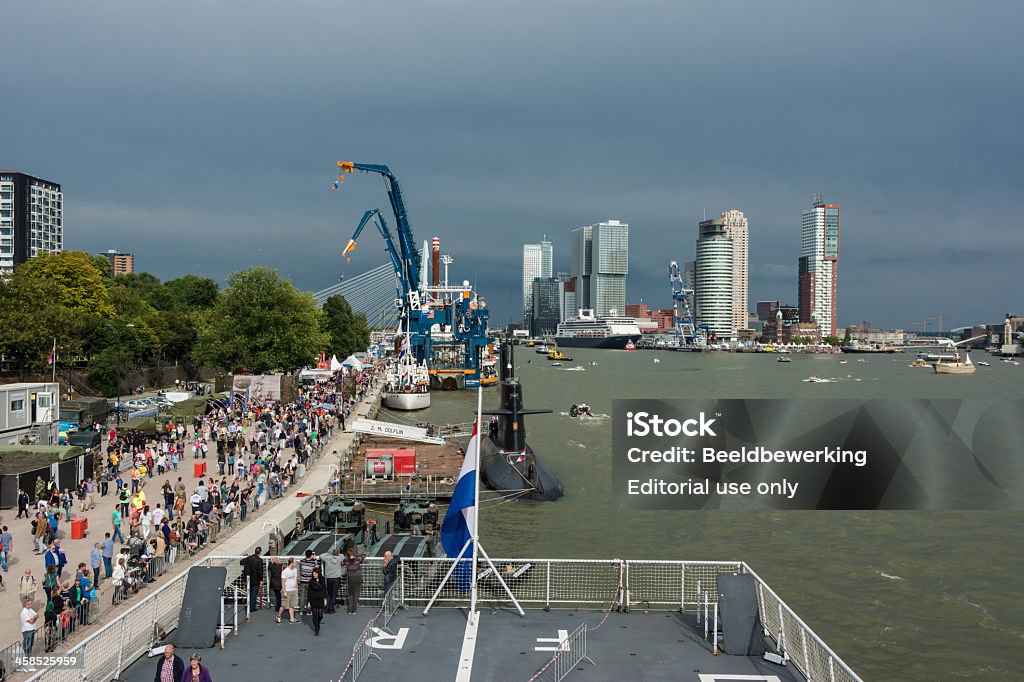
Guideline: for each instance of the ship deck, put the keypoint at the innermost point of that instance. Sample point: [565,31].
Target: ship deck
[658,645]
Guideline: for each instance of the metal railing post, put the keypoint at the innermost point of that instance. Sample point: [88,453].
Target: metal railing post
[714,633]
[120,648]
[682,588]
[220,630]
[547,587]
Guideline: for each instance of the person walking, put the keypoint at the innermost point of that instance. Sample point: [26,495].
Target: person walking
[290,583]
[354,571]
[115,521]
[332,573]
[170,667]
[315,599]
[95,561]
[197,672]
[5,547]
[306,567]
[22,504]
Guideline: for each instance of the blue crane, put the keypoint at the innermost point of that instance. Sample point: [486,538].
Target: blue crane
[377,217]
[409,257]
[686,330]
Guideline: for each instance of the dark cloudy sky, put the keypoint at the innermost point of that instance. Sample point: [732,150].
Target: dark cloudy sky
[202,135]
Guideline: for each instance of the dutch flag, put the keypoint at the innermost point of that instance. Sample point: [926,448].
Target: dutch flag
[53,354]
[460,520]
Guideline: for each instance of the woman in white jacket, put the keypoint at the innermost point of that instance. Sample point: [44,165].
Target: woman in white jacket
[117,580]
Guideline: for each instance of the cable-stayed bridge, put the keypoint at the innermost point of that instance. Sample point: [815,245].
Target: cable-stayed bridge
[371,293]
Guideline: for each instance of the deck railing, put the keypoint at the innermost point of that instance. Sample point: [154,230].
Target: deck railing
[609,585]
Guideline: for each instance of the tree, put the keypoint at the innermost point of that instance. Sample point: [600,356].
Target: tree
[80,283]
[832,340]
[103,265]
[261,323]
[349,331]
[31,317]
[190,292]
[846,337]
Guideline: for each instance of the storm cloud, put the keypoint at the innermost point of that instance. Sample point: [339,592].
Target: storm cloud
[202,136]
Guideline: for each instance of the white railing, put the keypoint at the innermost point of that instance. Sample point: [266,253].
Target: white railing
[686,586]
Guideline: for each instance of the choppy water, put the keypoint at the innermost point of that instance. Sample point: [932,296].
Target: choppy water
[899,595]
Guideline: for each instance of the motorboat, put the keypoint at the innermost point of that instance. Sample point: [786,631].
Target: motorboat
[958,366]
[783,358]
[630,345]
[580,410]
[984,364]
[556,354]
[815,379]
[919,362]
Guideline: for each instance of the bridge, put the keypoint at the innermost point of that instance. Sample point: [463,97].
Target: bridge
[371,293]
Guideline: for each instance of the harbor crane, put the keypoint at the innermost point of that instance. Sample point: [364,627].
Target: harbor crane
[686,331]
[447,325]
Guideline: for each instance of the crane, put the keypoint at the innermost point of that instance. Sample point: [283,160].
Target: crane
[686,331]
[447,331]
[375,215]
[409,257]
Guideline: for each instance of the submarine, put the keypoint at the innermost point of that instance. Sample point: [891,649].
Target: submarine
[507,463]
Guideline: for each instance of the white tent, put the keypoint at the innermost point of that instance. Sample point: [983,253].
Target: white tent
[335,365]
[352,362]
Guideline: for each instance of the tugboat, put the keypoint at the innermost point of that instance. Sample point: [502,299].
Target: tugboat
[507,463]
[557,354]
[630,345]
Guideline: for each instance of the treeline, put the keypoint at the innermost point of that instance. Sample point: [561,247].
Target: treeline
[258,323]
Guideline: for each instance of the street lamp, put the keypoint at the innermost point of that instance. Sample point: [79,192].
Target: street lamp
[117,369]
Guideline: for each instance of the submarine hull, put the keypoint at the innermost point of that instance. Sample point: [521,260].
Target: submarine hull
[515,472]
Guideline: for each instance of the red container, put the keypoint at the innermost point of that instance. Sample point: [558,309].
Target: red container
[405,462]
[77,528]
[199,469]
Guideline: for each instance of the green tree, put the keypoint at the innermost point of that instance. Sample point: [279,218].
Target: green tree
[261,323]
[31,317]
[832,340]
[349,331]
[103,265]
[846,337]
[190,292]
[80,283]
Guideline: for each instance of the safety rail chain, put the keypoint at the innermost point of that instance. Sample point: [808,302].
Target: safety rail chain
[538,583]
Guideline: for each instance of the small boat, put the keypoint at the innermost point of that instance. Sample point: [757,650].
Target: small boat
[556,364]
[815,379]
[984,364]
[919,362]
[656,360]
[630,345]
[557,354]
[783,358]
[580,410]
[957,366]
[843,362]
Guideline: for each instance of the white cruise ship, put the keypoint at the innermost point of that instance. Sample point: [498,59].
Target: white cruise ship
[588,331]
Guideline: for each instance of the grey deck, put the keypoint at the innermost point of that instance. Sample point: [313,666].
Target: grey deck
[654,646]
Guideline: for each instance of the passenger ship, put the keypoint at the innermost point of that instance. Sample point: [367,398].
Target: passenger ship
[589,331]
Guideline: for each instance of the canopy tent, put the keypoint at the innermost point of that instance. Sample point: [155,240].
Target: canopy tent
[352,362]
[21,465]
[192,407]
[17,458]
[335,365]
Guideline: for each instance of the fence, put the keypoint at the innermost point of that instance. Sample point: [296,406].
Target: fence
[687,586]
[571,652]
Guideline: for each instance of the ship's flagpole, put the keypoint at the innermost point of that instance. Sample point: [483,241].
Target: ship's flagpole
[476,493]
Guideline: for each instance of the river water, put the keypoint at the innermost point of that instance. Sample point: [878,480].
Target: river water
[898,595]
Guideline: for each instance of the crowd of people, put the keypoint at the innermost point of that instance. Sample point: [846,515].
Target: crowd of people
[260,448]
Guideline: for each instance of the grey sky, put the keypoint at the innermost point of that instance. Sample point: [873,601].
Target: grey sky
[203,135]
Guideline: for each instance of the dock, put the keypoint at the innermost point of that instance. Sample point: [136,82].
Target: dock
[437,469]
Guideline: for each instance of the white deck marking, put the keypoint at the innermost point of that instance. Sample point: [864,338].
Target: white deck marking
[465,673]
[396,640]
[562,636]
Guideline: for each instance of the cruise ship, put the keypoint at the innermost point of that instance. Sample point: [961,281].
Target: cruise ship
[589,331]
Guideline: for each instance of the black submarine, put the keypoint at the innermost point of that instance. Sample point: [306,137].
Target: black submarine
[507,463]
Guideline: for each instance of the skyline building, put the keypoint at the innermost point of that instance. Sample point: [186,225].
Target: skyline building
[600,263]
[566,296]
[818,265]
[736,225]
[121,263]
[31,218]
[544,319]
[538,260]
[713,281]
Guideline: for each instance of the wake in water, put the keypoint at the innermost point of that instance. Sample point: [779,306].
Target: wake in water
[587,417]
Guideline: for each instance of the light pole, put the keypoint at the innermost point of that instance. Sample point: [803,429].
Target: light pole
[117,370]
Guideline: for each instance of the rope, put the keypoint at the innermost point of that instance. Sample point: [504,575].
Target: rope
[362,641]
